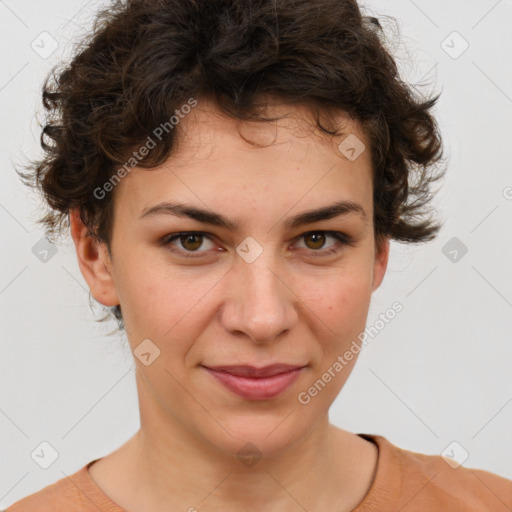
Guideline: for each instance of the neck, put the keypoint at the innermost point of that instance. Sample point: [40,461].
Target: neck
[167,467]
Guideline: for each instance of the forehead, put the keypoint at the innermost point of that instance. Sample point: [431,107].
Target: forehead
[218,160]
[293,125]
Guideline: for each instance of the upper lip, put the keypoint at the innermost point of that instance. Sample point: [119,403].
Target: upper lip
[252,371]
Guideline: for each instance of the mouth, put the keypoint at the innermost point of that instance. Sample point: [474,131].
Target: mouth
[254,383]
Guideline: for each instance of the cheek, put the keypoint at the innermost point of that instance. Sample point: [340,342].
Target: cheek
[340,299]
[148,295]
[337,309]
[162,302]
[349,316]
[344,311]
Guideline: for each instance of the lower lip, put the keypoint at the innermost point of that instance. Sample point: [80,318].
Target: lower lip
[256,388]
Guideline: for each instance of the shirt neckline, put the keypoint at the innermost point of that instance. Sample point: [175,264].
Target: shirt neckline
[383,491]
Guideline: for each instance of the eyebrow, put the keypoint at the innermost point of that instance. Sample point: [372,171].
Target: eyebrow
[216,219]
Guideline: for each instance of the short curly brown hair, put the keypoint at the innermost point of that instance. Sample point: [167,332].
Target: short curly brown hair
[145,59]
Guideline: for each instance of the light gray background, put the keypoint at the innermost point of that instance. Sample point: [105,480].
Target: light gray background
[439,372]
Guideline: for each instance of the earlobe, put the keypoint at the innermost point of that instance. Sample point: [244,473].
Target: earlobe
[94,262]
[381,264]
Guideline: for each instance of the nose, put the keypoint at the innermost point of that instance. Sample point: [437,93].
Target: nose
[259,302]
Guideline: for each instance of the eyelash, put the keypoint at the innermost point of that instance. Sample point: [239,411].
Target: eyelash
[345,240]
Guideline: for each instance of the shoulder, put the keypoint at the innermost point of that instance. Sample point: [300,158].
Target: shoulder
[428,480]
[71,493]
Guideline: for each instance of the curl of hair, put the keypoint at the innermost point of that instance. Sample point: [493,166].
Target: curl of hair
[145,59]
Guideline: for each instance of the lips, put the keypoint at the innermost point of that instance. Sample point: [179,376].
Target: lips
[254,383]
[254,372]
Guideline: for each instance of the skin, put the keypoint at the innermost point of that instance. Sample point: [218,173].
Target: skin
[286,306]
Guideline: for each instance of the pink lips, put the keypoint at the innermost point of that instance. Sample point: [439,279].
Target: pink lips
[256,383]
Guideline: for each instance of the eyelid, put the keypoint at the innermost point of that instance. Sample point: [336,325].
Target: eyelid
[342,238]
[168,239]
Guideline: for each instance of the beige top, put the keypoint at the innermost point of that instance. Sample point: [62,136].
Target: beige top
[405,481]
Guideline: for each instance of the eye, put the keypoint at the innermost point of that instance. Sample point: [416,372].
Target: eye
[315,240]
[191,241]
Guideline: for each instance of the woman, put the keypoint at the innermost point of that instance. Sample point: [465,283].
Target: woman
[279,139]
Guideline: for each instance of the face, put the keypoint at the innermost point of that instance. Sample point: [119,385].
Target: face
[269,285]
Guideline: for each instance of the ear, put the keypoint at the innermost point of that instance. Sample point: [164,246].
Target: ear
[381,263]
[94,262]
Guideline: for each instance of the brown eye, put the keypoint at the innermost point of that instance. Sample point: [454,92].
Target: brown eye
[191,242]
[314,242]
[317,240]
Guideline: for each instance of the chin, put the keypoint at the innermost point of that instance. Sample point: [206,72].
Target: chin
[258,435]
